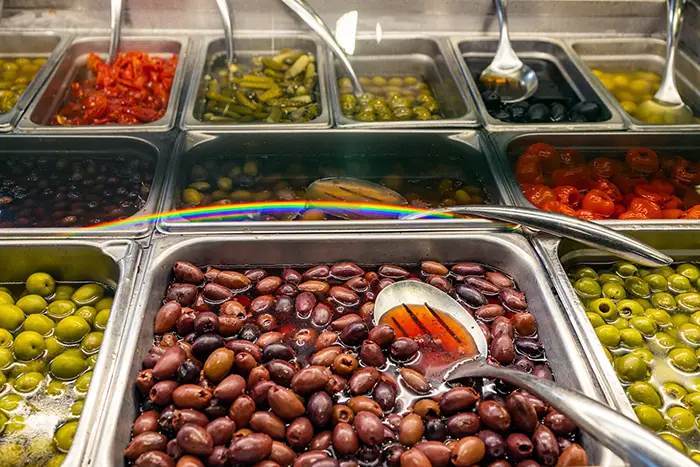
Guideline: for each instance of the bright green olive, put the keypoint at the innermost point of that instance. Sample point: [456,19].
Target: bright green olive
[629,308]
[650,417]
[621,323]
[63,292]
[595,319]
[82,384]
[92,342]
[88,313]
[7,358]
[657,282]
[663,342]
[587,288]
[104,304]
[679,320]
[664,271]
[56,388]
[53,348]
[73,352]
[3,420]
[689,270]
[645,325]
[64,436]
[583,271]
[5,297]
[674,441]
[678,283]
[695,318]
[660,317]
[692,401]
[631,338]
[29,345]
[88,294]
[3,381]
[680,419]
[72,329]
[11,317]
[674,391]
[663,300]
[11,403]
[690,333]
[31,304]
[6,338]
[625,269]
[41,283]
[646,304]
[683,359]
[611,278]
[644,393]
[631,368]
[101,320]
[61,308]
[695,457]
[68,367]
[77,408]
[637,287]
[39,323]
[28,382]
[643,272]
[608,335]
[92,360]
[605,307]
[614,291]
[688,302]
[19,368]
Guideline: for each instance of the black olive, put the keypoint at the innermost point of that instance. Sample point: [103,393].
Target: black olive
[491,99]
[538,113]
[558,112]
[502,115]
[578,118]
[517,114]
[590,110]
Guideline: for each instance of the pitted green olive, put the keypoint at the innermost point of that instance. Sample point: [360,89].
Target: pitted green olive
[19,368]
[625,269]
[674,391]
[678,283]
[588,288]
[644,393]
[629,308]
[28,382]
[660,317]
[650,417]
[53,348]
[657,282]
[683,359]
[88,313]
[688,302]
[611,278]
[692,401]
[5,297]
[680,419]
[91,342]
[6,338]
[690,333]
[645,325]
[77,408]
[584,271]
[64,436]
[631,368]
[595,319]
[637,287]
[608,335]
[56,388]
[101,319]
[614,290]
[104,304]
[663,300]
[664,341]
[631,338]
[664,271]
[82,384]
[621,323]
[679,319]
[605,307]
[6,358]
[674,441]
[689,270]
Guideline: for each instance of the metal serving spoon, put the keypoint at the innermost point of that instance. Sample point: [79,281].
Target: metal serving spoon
[507,74]
[667,102]
[621,435]
[225,13]
[117,9]
[314,21]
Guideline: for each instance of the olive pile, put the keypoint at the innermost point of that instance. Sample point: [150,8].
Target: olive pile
[280,88]
[71,192]
[387,99]
[648,321]
[50,335]
[533,110]
[280,367]
[15,76]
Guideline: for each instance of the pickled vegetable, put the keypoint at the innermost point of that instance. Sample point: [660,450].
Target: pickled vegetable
[15,76]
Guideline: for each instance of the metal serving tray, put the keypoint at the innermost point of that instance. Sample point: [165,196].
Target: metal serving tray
[631,54]
[34,45]
[552,51]
[508,146]
[247,47]
[400,55]
[510,253]
[72,67]
[351,147]
[55,146]
[112,263]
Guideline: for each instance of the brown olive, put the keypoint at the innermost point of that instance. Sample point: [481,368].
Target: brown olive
[384,395]
[154,459]
[189,461]
[363,380]
[382,334]
[403,349]
[221,430]
[572,456]
[268,423]
[411,429]
[415,380]
[235,281]
[560,424]
[364,404]
[345,364]
[320,409]
[182,417]
[257,374]
[427,409]
[354,334]
[437,453]
[342,413]
[162,392]
[282,454]
[195,439]
[147,441]
[458,399]
[519,446]
[463,424]
[147,421]
[250,449]
[281,372]
[468,451]
[322,441]
[326,356]
[345,440]
[300,432]
[241,410]
[167,317]
[369,428]
[371,354]
[546,446]
[230,388]
[494,415]
[284,402]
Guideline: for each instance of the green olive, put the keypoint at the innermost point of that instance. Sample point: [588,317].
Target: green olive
[611,278]
[631,338]
[608,335]
[6,338]
[32,303]
[588,288]
[664,271]
[39,323]
[680,419]
[92,360]
[595,319]
[692,401]
[64,436]
[690,333]
[67,367]
[11,317]
[674,391]
[61,308]
[660,317]
[89,294]
[683,359]
[582,271]
[650,417]
[56,388]
[88,313]
[57,460]
[614,291]
[646,304]
[101,320]
[5,297]
[3,381]
[688,302]
[695,318]
[629,308]
[663,300]
[11,403]
[77,408]
[41,283]
[657,282]
[689,270]
[29,345]
[608,354]
[92,342]
[53,348]
[625,269]
[645,325]
[63,292]
[621,323]
[7,358]
[662,342]
[645,354]
[631,368]
[678,283]
[72,329]
[19,368]
[104,304]
[643,272]
[637,287]
[679,320]
[605,307]
[674,441]
[82,384]
[28,382]
[644,393]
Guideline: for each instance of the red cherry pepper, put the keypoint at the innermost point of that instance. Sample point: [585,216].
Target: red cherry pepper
[650,192]
[540,194]
[588,215]
[642,160]
[546,154]
[649,209]
[673,203]
[579,177]
[692,213]
[671,213]
[609,188]
[528,169]
[626,181]
[556,206]
[568,195]
[571,158]
[598,202]
[628,215]
[602,167]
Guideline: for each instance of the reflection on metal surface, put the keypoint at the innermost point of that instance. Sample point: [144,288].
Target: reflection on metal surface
[346,30]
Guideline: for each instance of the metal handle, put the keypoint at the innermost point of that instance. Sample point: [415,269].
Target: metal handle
[311,18]
[621,435]
[505,59]
[117,8]
[667,91]
[226,18]
[588,233]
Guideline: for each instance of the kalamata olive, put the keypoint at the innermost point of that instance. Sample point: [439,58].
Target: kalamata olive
[216,293]
[560,424]
[270,337]
[342,322]
[216,408]
[168,340]
[303,340]
[540,406]
[563,443]
[494,415]
[165,421]
[147,421]
[162,392]
[266,322]
[345,364]
[572,456]
[495,444]
[435,430]
[522,363]
[279,351]
[441,283]
[291,276]
[167,317]
[182,417]
[288,290]
[304,303]
[233,280]
[284,402]
[345,271]
[218,364]
[463,424]
[326,339]
[458,399]
[357,284]
[369,428]
[250,332]
[268,285]
[384,394]
[281,454]
[240,345]
[531,347]
[345,440]
[392,455]
[184,294]
[543,371]
[336,384]
[393,272]
[318,288]
[167,365]
[310,379]
[256,274]
[513,299]
[438,453]
[363,380]
[468,451]
[411,429]
[250,449]
[502,349]
[383,284]
[145,442]
[320,409]
[262,304]
[321,315]
[371,354]
[230,388]
[482,285]
[499,279]
[430,268]
[489,312]
[257,374]
[427,409]
[354,334]
[241,410]
[524,324]
[519,446]
[281,372]
[233,308]
[189,461]
[502,326]
[319,273]
[322,441]
[367,311]
[229,325]
[299,433]
[154,459]
[284,306]
[268,423]
[546,446]
[325,357]
[191,396]
[382,334]
[468,269]
[471,296]
[310,458]
[205,344]
[522,412]
[221,430]
[342,413]
[344,296]
[403,349]
[218,457]
[210,273]
[185,323]
[415,380]
[260,391]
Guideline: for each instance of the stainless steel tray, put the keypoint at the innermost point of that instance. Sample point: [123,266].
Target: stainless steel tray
[34,45]
[508,146]
[247,47]
[631,54]
[508,252]
[54,146]
[553,51]
[423,56]
[465,151]
[111,262]
[72,65]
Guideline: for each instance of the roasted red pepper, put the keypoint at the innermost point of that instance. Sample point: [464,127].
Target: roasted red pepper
[598,202]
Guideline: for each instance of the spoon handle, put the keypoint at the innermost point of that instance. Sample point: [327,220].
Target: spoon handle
[623,436]
[505,57]
[225,13]
[117,8]
[314,21]
[667,91]
[588,233]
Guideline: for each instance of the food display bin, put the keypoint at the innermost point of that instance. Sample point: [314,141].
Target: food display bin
[509,253]
[72,67]
[624,55]
[549,58]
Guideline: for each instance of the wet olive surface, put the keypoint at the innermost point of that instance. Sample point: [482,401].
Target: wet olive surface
[283,366]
